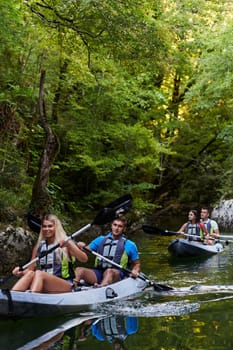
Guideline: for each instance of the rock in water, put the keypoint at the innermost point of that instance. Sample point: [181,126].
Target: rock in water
[16,247]
[223,213]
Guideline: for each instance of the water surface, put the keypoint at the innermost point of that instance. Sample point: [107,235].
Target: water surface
[198,315]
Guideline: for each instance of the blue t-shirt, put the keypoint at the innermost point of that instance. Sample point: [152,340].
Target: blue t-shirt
[130,247]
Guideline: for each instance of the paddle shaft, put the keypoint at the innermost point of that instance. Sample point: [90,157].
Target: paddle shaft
[142,276]
[113,263]
[226,237]
[153,230]
[208,238]
[195,236]
[220,238]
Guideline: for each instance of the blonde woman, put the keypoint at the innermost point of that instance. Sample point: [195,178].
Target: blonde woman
[53,273]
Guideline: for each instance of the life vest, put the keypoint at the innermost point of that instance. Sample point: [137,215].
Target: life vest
[111,328]
[113,250]
[208,227]
[55,262]
[192,229]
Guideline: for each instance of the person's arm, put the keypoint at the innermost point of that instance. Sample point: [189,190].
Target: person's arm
[181,231]
[133,256]
[91,246]
[81,245]
[216,233]
[17,272]
[215,229]
[76,251]
[136,268]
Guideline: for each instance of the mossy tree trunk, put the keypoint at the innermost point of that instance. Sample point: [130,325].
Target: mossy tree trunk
[40,201]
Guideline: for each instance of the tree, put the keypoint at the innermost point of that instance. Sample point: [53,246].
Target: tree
[40,198]
[113,91]
[128,88]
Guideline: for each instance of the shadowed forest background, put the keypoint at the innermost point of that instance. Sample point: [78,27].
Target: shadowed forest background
[102,98]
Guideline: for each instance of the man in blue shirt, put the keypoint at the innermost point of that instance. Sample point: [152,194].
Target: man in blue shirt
[115,247]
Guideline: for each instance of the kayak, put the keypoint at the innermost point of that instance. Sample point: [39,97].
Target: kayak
[15,304]
[181,247]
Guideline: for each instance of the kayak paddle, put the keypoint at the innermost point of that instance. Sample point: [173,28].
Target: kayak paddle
[153,230]
[120,206]
[157,286]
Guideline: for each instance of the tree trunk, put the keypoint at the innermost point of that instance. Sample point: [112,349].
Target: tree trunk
[41,201]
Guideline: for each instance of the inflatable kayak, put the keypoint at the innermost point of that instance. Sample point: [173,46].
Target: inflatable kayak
[184,247]
[28,304]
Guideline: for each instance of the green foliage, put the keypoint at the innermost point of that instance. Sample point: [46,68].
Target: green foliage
[117,155]
[213,89]
[139,94]
[15,186]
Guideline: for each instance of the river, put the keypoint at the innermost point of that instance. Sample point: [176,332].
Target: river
[198,318]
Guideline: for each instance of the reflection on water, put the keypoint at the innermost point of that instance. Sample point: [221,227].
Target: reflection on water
[208,327]
[113,330]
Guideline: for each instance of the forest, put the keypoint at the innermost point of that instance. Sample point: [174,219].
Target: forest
[103,98]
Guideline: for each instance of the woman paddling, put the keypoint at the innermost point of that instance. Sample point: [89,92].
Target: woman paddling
[53,272]
[194,229]
[191,228]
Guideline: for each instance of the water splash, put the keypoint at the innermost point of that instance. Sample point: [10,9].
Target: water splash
[196,289]
[138,309]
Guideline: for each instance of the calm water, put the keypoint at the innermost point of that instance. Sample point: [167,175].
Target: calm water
[188,319]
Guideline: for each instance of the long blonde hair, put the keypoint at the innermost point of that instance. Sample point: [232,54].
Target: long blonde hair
[60,233]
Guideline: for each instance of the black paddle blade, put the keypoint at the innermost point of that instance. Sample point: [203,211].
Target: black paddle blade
[158,287]
[34,223]
[118,207]
[153,230]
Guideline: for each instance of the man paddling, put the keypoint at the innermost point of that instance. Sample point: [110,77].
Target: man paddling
[209,227]
[115,247]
